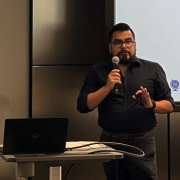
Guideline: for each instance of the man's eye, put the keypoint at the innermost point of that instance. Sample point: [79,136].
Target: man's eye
[128,41]
[117,42]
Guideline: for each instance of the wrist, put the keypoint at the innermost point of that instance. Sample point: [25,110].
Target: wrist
[153,104]
[107,89]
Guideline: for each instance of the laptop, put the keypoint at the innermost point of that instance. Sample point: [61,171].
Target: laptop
[35,136]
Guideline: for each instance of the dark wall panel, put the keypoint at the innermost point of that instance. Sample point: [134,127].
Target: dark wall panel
[68,31]
[55,91]
[175,146]
[72,35]
[162,146]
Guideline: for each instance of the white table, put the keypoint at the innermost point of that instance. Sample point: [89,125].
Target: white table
[26,163]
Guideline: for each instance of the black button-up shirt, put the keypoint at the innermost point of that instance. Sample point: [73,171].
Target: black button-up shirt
[120,112]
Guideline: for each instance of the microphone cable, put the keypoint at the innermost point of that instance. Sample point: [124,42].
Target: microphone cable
[140,154]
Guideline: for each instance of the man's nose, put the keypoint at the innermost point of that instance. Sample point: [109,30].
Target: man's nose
[123,45]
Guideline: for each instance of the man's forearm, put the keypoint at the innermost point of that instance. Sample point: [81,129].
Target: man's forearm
[95,98]
[163,106]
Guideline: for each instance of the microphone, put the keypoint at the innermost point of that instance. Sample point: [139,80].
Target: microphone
[115,61]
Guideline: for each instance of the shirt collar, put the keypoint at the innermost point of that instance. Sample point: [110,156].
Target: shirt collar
[136,62]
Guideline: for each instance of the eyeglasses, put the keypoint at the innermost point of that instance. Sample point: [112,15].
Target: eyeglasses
[119,43]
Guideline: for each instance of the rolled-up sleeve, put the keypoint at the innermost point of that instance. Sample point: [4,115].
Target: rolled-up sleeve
[90,85]
[162,89]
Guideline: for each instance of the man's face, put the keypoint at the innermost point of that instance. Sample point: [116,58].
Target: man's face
[125,51]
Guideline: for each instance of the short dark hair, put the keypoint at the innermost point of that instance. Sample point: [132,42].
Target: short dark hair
[120,27]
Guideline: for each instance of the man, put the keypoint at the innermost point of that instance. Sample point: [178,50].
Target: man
[129,115]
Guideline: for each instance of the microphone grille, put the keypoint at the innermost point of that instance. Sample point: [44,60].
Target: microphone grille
[115,59]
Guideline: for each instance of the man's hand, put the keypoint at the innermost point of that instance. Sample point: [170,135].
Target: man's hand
[114,77]
[144,97]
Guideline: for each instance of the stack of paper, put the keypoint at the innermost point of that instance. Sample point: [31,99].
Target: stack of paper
[88,147]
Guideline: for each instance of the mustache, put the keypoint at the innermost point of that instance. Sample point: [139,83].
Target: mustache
[122,52]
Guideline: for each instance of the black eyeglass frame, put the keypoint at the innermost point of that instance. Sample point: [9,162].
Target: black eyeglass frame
[118,43]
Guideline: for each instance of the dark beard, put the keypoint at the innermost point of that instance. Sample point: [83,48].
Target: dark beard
[124,59]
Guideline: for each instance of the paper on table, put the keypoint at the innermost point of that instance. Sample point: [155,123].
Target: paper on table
[89,148]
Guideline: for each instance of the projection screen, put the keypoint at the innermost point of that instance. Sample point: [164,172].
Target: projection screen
[156,24]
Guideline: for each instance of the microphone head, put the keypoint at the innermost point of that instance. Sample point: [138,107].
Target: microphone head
[115,60]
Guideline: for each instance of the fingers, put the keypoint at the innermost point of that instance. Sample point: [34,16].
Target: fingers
[114,76]
[143,97]
[143,91]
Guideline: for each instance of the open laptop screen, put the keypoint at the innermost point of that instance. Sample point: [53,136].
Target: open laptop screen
[35,135]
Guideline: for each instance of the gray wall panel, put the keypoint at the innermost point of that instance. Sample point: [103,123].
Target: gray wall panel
[14,55]
[13,68]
